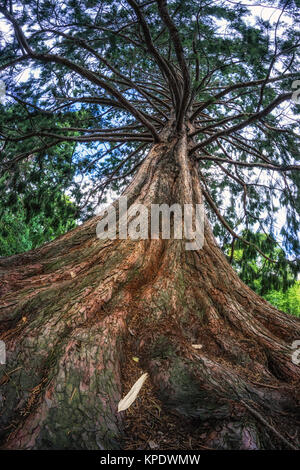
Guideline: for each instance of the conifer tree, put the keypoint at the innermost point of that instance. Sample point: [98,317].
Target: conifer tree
[187,102]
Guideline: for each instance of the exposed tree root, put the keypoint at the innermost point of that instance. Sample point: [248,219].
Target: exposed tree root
[73,311]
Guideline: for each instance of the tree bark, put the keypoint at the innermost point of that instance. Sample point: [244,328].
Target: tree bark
[71,310]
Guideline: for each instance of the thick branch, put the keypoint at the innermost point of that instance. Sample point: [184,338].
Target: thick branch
[174,34]
[254,117]
[88,74]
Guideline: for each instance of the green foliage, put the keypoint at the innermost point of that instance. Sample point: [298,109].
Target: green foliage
[20,231]
[34,207]
[288,301]
[275,278]
[261,274]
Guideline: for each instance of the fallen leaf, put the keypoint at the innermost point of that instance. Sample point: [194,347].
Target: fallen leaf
[135,359]
[72,274]
[72,396]
[131,396]
[24,319]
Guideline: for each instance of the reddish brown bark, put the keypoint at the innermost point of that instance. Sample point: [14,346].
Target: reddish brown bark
[71,309]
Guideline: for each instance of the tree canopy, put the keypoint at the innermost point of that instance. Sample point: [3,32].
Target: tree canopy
[99,80]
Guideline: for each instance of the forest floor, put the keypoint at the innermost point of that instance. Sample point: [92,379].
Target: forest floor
[148,425]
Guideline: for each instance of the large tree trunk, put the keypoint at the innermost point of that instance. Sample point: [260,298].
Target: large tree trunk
[75,311]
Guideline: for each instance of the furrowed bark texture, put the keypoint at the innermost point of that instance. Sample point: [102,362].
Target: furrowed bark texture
[71,308]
